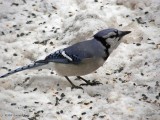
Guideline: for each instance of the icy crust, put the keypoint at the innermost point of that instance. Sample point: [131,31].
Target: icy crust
[32,29]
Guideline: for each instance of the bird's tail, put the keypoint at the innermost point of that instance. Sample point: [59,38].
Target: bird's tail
[34,65]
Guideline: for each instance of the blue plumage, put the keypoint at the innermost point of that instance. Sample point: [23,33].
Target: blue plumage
[60,58]
[81,58]
[77,52]
[36,64]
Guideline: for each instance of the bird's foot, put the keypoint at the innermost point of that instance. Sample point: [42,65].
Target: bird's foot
[73,85]
[87,82]
[93,83]
[76,87]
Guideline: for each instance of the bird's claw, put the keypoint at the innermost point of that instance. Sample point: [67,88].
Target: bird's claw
[93,83]
[76,87]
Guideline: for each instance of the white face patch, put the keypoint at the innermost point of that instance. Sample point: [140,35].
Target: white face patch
[109,35]
[113,42]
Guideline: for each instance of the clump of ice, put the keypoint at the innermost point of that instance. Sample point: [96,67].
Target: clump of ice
[149,7]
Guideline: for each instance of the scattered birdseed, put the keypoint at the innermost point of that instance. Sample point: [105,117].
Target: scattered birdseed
[14,4]
[29,22]
[57,101]
[62,95]
[25,106]
[15,54]
[83,113]
[36,102]
[138,44]
[13,104]
[61,111]
[22,34]
[146,12]
[34,89]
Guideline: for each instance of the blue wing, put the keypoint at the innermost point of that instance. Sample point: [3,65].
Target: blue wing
[76,53]
[62,56]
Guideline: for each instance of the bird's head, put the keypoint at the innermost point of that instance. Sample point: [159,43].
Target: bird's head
[110,38]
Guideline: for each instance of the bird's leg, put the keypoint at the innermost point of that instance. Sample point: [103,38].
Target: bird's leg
[87,82]
[73,85]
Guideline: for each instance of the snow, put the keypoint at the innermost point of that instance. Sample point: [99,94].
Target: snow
[32,29]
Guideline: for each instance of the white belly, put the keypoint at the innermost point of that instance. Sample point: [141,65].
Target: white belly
[85,67]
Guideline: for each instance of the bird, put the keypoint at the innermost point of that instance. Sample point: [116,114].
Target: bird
[81,58]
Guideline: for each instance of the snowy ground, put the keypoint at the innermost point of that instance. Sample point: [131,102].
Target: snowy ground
[31,29]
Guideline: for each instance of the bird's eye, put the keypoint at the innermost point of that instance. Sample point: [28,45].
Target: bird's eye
[112,36]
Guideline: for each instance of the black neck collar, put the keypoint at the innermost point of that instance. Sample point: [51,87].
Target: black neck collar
[107,46]
[102,40]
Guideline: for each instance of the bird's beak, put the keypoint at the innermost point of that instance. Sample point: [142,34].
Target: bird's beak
[123,33]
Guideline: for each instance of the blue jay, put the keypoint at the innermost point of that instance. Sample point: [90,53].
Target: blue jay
[81,58]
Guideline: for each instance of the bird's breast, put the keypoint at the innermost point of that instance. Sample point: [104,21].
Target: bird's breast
[85,67]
